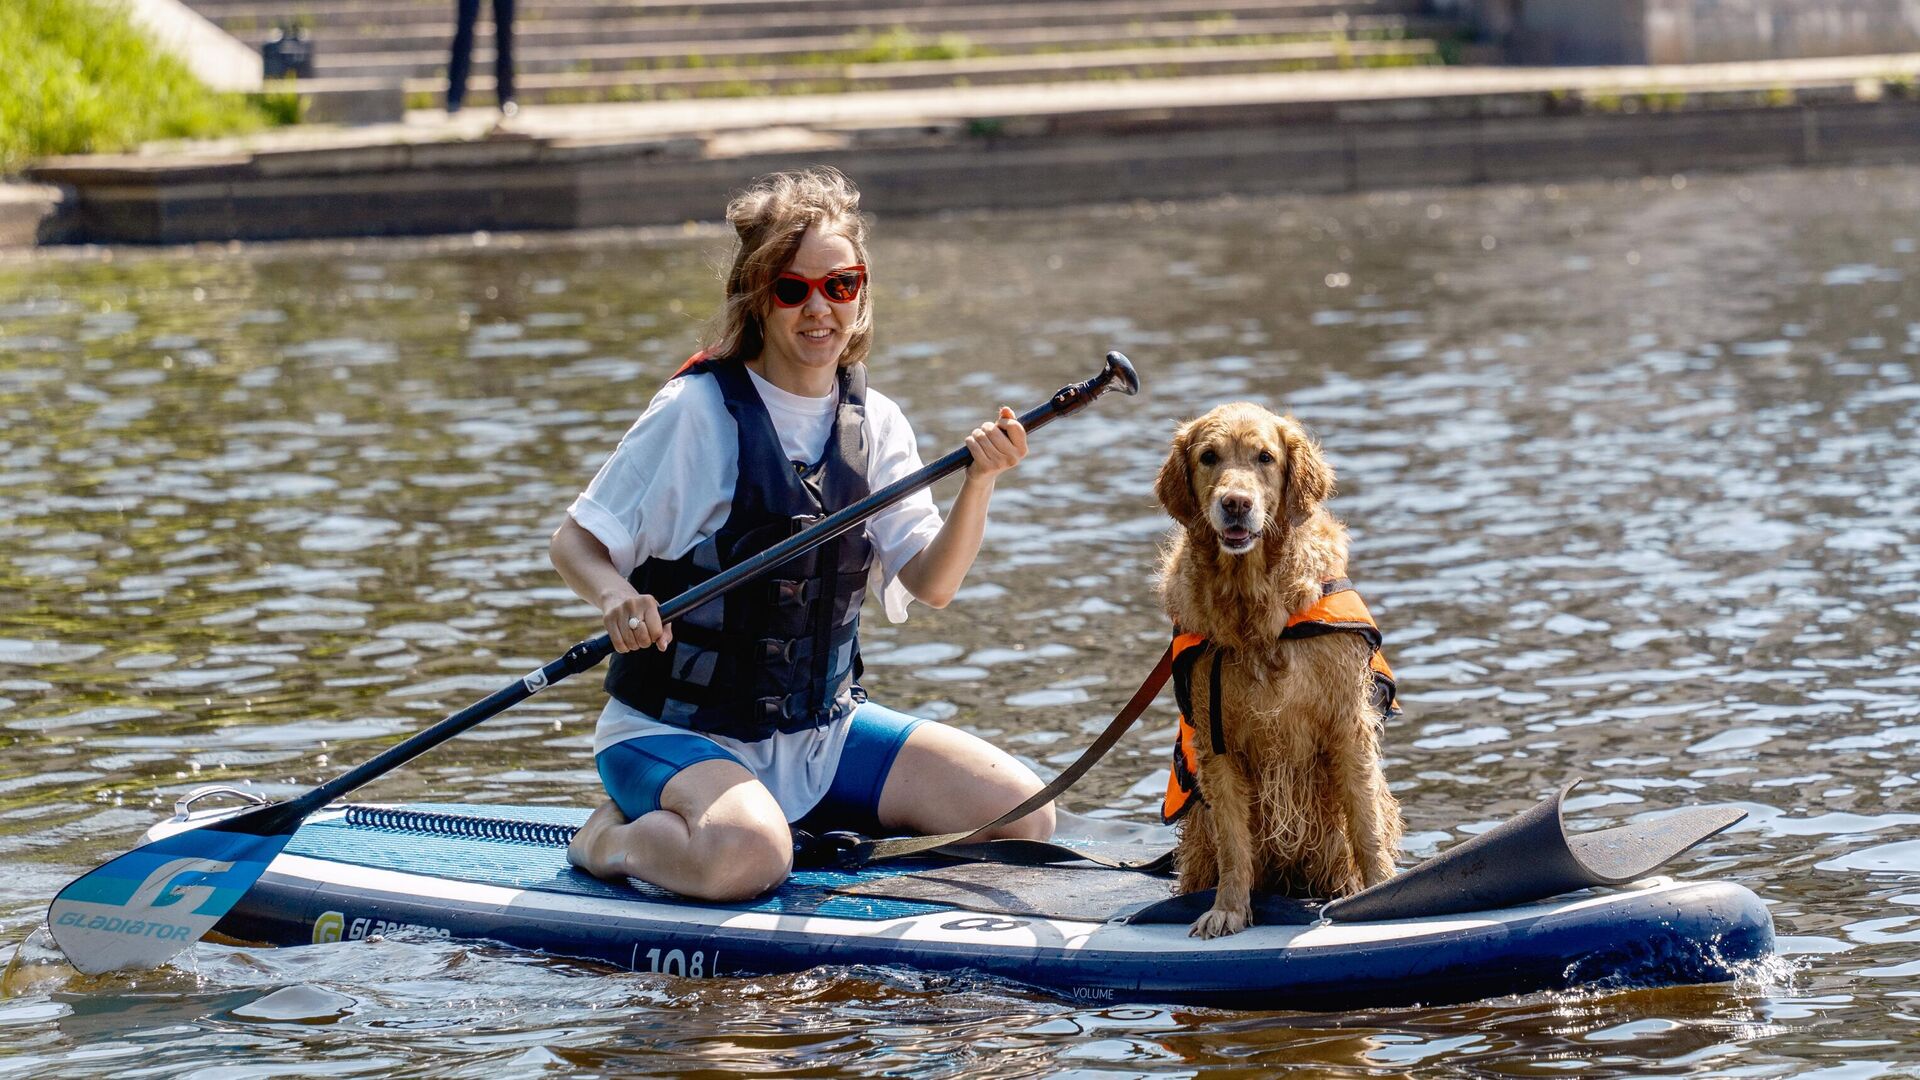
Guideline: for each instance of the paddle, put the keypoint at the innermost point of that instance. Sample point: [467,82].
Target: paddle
[142,908]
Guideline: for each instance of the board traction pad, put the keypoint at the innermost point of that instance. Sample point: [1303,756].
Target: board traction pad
[890,891]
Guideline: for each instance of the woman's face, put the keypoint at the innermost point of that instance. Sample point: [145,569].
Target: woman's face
[804,343]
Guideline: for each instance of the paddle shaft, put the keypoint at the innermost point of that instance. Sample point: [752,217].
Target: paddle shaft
[588,654]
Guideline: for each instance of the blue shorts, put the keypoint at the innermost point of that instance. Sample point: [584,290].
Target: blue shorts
[637,770]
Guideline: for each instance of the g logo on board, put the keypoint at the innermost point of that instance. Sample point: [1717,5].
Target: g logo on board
[327,928]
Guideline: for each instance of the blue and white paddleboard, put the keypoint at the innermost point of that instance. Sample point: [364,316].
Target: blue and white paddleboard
[499,874]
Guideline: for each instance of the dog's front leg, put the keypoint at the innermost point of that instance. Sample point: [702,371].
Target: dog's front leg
[1230,801]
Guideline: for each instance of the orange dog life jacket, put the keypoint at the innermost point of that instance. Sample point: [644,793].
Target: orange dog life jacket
[1338,611]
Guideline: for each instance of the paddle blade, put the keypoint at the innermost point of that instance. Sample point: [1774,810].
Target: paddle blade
[143,908]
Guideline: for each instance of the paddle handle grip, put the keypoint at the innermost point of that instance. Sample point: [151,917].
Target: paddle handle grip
[1117,374]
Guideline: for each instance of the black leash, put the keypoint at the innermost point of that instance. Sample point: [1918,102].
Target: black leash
[850,851]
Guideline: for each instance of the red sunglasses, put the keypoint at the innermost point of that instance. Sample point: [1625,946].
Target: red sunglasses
[841,286]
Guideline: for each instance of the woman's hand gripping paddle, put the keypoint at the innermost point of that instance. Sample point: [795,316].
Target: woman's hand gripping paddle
[142,908]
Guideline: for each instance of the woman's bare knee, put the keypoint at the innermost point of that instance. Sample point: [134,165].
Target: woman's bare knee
[1038,825]
[739,861]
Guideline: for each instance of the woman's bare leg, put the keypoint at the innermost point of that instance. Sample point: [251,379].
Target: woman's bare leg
[718,835]
[945,780]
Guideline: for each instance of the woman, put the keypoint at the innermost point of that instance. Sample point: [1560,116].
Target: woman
[744,715]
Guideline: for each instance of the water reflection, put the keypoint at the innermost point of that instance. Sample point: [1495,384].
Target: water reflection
[1629,470]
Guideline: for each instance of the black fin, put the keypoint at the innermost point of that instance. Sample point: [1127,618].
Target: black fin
[1531,857]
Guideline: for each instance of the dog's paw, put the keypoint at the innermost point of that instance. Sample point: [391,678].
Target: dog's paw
[1220,922]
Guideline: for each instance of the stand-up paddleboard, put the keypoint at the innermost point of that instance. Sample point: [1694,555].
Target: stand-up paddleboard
[499,874]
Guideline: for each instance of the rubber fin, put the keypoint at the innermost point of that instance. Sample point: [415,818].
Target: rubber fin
[1530,857]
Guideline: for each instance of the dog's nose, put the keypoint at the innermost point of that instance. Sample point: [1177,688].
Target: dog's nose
[1236,504]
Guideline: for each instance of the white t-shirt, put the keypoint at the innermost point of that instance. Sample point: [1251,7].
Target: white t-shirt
[669,485]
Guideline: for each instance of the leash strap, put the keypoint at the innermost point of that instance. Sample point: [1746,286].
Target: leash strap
[966,845]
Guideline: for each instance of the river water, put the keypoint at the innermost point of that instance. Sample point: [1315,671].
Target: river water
[1630,470]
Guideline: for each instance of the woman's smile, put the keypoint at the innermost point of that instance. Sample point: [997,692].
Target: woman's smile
[804,341]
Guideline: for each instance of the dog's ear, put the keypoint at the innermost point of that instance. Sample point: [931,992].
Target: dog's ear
[1174,489]
[1309,480]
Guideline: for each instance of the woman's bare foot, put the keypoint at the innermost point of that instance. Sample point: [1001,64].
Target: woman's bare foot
[595,849]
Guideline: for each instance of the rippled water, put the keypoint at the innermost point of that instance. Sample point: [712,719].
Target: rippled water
[1630,469]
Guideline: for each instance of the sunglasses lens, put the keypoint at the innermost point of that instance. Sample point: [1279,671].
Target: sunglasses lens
[790,291]
[843,288]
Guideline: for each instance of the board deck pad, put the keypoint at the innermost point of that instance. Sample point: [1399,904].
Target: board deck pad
[1093,894]
[427,839]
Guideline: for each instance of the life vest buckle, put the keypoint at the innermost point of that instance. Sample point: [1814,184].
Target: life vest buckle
[792,709]
[793,593]
[777,649]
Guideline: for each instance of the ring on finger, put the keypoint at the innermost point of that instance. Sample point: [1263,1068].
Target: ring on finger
[633,622]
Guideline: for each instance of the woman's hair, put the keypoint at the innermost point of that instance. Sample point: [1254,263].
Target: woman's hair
[771,218]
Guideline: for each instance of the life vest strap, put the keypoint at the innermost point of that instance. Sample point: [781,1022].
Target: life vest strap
[1218,731]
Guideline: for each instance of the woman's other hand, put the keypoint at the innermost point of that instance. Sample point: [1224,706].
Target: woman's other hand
[996,446]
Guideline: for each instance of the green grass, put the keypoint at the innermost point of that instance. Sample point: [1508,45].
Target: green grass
[76,77]
[900,45]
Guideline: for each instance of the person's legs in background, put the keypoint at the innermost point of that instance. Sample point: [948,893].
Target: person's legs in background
[467,13]
[503,55]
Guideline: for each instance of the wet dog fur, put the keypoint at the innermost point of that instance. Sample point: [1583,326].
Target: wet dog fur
[1296,801]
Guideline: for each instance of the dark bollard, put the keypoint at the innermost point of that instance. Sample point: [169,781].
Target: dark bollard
[287,52]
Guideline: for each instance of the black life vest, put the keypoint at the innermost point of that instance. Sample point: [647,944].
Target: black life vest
[1338,611]
[780,653]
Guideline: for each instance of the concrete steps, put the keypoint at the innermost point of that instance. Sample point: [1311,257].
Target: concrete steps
[435,28]
[577,87]
[1329,38]
[265,14]
[574,51]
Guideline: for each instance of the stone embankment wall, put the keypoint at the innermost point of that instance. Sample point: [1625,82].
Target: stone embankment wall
[33,214]
[1026,162]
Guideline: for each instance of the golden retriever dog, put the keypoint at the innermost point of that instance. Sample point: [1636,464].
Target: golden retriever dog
[1295,801]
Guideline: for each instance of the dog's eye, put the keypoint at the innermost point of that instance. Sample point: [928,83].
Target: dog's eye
[1208,457]
[1266,457]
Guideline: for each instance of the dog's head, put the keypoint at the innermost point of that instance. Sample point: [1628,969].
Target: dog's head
[1242,472]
